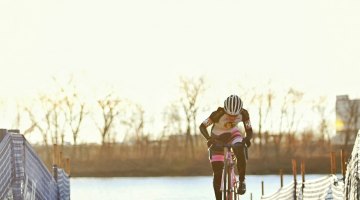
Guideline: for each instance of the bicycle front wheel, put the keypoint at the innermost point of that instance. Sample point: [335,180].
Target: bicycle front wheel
[230,189]
[225,181]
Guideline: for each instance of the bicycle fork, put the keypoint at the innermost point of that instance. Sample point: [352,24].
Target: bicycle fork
[228,183]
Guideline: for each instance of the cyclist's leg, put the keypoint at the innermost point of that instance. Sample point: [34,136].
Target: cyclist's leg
[217,164]
[217,167]
[240,154]
[241,160]
[239,151]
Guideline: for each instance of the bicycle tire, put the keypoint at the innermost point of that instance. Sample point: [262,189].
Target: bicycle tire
[225,180]
[230,189]
[236,197]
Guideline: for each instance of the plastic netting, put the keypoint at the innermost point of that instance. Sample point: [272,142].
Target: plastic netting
[6,172]
[40,181]
[327,187]
[24,176]
[63,184]
[285,193]
[352,183]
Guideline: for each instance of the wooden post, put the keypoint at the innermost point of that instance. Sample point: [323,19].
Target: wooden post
[61,164]
[262,188]
[55,172]
[294,173]
[55,164]
[68,166]
[302,168]
[281,178]
[343,164]
[294,169]
[333,162]
[303,171]
[55,153]
[250,196]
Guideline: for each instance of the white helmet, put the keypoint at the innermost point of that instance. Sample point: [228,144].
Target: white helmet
[233,105]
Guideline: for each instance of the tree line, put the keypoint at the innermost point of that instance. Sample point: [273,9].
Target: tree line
[277,129]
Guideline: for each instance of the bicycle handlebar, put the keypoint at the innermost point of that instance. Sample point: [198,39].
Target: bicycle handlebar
[233,145]
[229,145]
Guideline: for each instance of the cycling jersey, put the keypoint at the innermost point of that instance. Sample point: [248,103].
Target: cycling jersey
[224,123]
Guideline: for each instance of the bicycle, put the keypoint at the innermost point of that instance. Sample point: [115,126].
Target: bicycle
[229,184]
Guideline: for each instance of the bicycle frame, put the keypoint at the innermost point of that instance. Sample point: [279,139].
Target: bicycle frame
[228,181]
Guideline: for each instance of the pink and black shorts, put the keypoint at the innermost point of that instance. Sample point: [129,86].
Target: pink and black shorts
[217,154]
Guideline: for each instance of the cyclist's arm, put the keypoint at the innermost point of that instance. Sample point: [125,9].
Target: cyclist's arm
[214,117]
[247,124]
[203,128]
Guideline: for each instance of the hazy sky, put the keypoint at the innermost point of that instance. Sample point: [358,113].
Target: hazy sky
[141,47]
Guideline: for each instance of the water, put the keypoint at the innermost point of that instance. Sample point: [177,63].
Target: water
[167,188]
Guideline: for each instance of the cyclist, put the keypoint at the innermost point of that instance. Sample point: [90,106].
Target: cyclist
[224,130]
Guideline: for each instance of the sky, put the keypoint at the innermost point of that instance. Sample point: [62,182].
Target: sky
[140,48]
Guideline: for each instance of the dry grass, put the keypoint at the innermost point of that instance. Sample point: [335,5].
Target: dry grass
[168,159]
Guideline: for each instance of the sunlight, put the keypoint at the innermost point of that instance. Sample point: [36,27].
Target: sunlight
[339,125]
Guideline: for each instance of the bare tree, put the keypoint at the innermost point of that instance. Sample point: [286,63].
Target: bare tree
[320,106]
[191,91]
[172,128]
[264,103]
[74,109]
[293,117]
[38,123]
[46,116]
[57,119]
[72,106]
[49,118]
[288,112]
[110,110]
[172,120]
[75,113]
[134,121]
[270,96]
[278,138]
[20,118]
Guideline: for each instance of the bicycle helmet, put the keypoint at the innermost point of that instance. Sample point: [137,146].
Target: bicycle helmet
[233,105]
